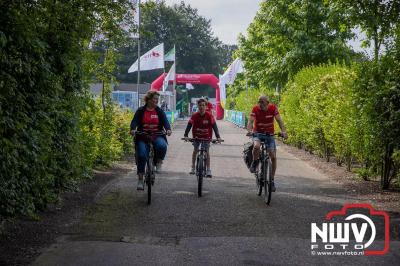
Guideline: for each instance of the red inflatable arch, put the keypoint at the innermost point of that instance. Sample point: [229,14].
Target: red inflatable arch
[194,79]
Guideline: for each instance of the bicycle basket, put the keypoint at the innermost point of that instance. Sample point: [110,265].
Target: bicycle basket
[248,154]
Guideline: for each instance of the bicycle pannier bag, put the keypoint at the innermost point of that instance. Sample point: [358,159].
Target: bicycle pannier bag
[248,153]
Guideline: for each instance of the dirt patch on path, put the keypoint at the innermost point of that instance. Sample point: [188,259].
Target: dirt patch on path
[365,191]
[21,241]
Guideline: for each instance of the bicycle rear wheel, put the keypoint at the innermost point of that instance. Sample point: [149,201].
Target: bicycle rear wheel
[267,181]
[200,174]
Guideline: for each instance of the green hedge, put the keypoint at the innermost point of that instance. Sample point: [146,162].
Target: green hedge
[51,131]
[104,138]
[348,113]
[245,100]
[317,108]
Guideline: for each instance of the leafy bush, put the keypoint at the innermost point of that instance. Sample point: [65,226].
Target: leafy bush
[350,113]
[104,140]
[245,100]
[39,103]
[50,130]
[378,96]
[317,109]
[396,168]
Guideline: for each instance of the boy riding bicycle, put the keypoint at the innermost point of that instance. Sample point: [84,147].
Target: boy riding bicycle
[203,124]
[261,126]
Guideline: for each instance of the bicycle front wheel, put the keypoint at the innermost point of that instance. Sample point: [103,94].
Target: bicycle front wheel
[200,174]
[149,173]
[259,184]
[267,181]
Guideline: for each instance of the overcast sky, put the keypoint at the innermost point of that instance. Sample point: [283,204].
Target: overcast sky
[228,17]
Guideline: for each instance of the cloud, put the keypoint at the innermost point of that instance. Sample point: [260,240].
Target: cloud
[228,17]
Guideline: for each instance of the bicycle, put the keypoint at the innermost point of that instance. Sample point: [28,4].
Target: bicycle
[264,176]
[149,176]
[201,160]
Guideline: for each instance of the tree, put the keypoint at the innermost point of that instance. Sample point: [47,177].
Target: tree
[376,18]
[286,36]
[197,50]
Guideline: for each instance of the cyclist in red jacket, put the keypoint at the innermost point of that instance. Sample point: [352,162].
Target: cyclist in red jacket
[209,106]
[203,124]
[261,125]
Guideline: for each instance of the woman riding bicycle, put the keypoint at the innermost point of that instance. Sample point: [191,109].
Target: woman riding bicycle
[203,124]
[149,119]
[261,125]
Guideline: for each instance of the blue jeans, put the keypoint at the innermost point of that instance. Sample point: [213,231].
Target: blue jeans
[143,149]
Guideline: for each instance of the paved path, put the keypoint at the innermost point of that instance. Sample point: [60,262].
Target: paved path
[229,225]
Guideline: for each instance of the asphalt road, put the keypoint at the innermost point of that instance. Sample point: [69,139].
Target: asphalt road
[229,225]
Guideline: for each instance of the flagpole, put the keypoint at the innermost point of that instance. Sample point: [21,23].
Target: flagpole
[138,74]
[174,83]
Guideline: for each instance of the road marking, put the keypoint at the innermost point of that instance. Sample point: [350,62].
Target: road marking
[183,192]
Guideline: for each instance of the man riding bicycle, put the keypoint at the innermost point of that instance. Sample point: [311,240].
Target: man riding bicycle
[203,124]
[261,126]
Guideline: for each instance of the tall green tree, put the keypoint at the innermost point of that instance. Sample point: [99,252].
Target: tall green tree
[377,18]
[197,49]
[286,36]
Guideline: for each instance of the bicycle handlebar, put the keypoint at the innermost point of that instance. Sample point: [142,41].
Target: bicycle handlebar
[275,134]
[144,133]
[202,140]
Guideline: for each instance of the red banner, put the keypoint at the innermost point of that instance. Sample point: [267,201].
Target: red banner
[209,79]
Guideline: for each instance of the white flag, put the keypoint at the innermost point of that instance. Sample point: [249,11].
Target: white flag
[136,18]
[136,12]
[169,77]
[229,77]
[153,59]
[170,56]
[230,74]
[222,91]
[189,86]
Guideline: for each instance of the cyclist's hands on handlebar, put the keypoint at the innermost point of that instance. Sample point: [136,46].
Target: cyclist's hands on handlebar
[218,140]
[134,132]
[283,134]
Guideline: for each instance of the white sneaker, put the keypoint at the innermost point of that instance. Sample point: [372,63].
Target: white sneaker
[192,171]
[158,167]
[140,184]
[209,175]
